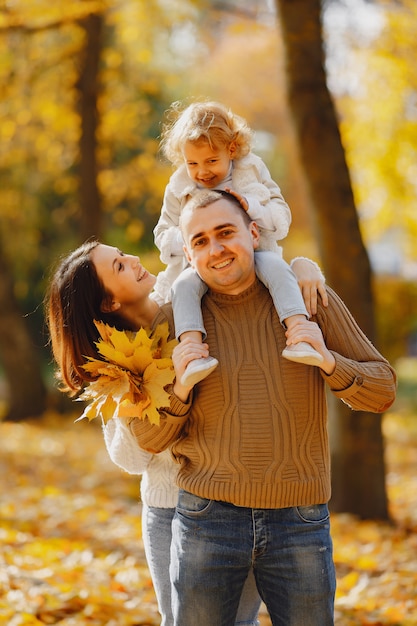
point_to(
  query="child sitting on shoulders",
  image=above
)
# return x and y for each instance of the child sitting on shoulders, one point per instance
(211, 148)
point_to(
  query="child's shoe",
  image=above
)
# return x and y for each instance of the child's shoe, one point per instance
(302, 352)
(198, 370)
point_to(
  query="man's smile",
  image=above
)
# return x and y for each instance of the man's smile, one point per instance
(225, 263)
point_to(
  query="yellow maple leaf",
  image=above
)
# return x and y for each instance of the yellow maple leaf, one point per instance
(161, 343)
(130, 381)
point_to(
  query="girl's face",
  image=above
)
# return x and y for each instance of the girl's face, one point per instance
(207, 166)
(122, 275)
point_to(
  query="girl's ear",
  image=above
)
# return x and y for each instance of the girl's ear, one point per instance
(109, 306)
(232, 149)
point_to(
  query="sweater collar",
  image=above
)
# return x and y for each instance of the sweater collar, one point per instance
(248, 294)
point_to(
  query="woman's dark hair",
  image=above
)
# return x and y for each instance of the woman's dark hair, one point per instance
(73, 302)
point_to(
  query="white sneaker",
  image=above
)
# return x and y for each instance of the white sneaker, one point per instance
(198, 370)
(302, 352)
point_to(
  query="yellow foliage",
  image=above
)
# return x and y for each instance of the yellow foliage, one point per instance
(379, 130)
(70, 548)
(130, 381)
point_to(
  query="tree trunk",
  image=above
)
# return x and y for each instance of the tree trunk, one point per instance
(27, 394)
(88, 87)
(358, 473)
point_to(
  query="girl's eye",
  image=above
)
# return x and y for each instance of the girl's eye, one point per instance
(121, 267)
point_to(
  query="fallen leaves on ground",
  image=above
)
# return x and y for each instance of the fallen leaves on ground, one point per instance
(70, 535)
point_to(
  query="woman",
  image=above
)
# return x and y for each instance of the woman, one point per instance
(99, 282)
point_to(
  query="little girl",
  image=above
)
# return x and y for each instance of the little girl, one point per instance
(211, 148)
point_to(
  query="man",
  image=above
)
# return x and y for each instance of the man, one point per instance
(251, 439)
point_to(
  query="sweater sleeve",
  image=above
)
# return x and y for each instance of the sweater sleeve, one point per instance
(123, 448)
(156, 438)
(362, 378)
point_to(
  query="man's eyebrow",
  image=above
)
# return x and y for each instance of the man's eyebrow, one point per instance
(217, 228)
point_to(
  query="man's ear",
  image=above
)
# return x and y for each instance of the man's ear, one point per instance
(109, 306)
(254, 230)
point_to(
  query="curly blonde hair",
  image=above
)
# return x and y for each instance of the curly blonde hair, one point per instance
(203, 121)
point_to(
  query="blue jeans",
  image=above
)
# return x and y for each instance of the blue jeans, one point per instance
(214, 545)
(156, 535)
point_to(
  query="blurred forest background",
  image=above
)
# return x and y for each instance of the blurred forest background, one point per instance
(330, 89)
(331, 92)
(84, 87)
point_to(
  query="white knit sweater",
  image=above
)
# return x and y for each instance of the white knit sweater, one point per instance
(159, 471)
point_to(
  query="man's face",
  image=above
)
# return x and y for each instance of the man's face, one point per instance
(220, 245)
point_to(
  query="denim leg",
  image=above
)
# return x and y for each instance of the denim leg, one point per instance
(156, 535)
(281, 282)
(210, 560)
(212, 550)
(186, 294)
(250, 602)
(294, 565)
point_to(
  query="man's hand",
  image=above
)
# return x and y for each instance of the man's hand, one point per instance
(184, 352)
(311, 333)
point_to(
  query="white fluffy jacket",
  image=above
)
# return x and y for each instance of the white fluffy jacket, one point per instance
(251, 178)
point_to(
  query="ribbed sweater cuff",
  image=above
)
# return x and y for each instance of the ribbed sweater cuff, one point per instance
(343, 376)
(367, 390)
(177, 407)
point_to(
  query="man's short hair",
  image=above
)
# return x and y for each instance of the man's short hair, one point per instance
(206, 197)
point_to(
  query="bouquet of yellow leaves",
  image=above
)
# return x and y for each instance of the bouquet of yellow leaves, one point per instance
(130, 381)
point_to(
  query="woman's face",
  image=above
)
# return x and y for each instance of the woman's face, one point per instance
(122, 275)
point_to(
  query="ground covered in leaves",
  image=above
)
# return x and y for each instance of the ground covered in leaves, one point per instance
(70, 534)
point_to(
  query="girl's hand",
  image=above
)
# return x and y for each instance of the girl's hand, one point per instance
(311, 282)
(242, 200)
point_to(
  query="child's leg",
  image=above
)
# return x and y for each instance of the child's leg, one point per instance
(282, 284)
(186, 293)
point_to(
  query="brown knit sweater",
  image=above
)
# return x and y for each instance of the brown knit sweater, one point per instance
(255, 433)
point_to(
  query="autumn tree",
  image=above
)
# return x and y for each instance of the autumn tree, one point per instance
(83, 90)
(20, 357)
(88, 90)
(357, 443)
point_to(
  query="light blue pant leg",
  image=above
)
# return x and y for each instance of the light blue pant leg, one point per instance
(281, 282)
(156, 535)
(186, 294)
(215, 543)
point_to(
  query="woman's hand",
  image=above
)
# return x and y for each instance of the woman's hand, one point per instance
(184, 352)
(311, 282)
